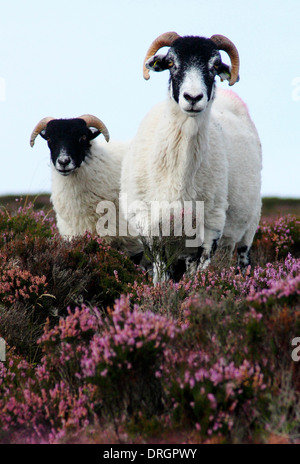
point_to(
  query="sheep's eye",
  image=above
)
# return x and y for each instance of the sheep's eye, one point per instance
(82, 138)
(217, 64)
(48, 140)
(170, 63)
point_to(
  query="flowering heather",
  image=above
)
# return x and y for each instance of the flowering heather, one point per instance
(173, 297)
(36, 410)
(227, 282)
(287, 290)
(25, 221)
(87, 356)
(96, 353)
(207, 393)
(279, 236)
(17, 284)
(129, 335)
(120, 353)
(111, 363)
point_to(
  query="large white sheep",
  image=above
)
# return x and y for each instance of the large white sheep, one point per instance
(198, 145)
(85, 177)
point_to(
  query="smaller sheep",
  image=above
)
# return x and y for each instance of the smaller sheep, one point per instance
(84, 173)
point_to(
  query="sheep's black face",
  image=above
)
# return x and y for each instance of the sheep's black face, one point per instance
(69, 143)
(193, 73)
(193, 63)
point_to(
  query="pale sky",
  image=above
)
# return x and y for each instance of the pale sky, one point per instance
(66, 58)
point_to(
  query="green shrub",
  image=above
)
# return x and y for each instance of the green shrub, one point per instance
(25, 221)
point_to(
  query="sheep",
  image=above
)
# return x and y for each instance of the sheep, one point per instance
(84, 173)
(198, 145)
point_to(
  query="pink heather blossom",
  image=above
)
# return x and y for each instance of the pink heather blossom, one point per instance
(212, 400)
(17, 284)
(88, 348)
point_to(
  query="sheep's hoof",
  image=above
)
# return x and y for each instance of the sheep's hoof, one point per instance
(204, 263)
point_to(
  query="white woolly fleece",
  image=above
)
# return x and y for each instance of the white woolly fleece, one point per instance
(214, 157)
(75, 197)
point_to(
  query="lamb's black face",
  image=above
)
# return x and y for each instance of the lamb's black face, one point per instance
(69, 143)
(193, 63)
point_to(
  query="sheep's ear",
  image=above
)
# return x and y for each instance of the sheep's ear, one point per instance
(224, 72)
(158, 63)
(93, 133)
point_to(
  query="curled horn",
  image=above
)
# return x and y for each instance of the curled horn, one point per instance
(93, 121)
(164, 40)
(38, 129)
(227, 46)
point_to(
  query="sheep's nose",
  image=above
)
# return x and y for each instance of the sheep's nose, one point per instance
(64, 161)
(193, 99)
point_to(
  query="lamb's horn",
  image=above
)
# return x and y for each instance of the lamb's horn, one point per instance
(93, 121)
(38, 129)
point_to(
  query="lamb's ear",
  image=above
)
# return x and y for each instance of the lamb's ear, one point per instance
(158, 63)
(224, 72)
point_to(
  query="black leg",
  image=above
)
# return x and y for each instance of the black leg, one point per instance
(244, 259)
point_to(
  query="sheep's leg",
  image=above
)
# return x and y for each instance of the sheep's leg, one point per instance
(208, 249)
(158, 256)
(160, 273)
(244, 245)
(243, 258)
